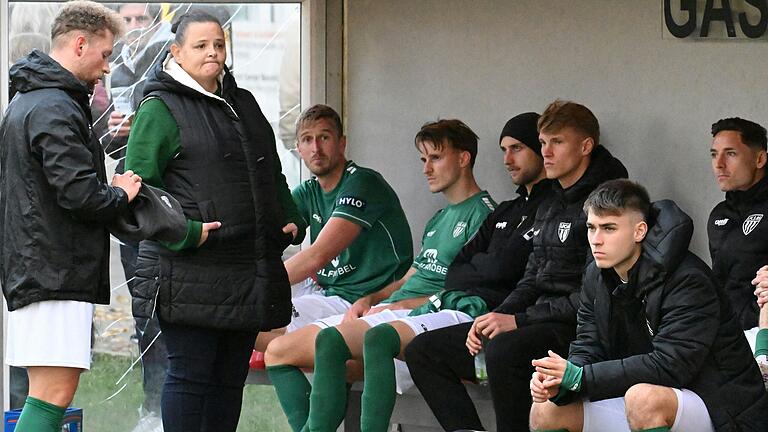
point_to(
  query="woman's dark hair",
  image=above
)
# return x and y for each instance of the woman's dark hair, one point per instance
(179, 27)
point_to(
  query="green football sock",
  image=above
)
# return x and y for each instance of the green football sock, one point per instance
(656, 429)
(328, 400)
(761, 343)
(381, 345)
(292, 390)
(39, 416)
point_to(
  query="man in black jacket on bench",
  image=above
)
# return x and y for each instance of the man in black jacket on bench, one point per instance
(540, 311)
(658, 346)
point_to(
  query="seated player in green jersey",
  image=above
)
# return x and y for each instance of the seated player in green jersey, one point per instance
(448, 149)
(360, 239)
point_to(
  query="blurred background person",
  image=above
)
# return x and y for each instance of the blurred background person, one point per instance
(146, 39)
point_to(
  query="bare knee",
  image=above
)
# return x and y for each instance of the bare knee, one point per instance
(650, 406)
(263, 339)
(278, 351)
(543, 416)
(547, 415)
(55, 385)
(296, 349)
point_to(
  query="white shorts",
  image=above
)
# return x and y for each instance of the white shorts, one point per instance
(307, 286)
(436, 320)
(610, 415)
(309, 308)
(419, 324)
(382, 317)
(50, 333)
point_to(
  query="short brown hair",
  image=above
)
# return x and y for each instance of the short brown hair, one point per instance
(562, 114)
(87, 16)
(614, 197)
(319, 112)
(453, 131)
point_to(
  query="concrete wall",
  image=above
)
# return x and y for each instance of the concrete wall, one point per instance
(411, 61)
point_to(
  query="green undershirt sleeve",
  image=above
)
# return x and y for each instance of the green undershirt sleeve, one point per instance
(155, 140)
(761, 343)
(285, 199)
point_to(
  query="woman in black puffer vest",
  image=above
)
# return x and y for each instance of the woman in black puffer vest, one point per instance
(205, 141)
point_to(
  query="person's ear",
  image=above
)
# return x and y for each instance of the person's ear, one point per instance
(761, 159)
(641, 230)
(587, 145)
(464, 158)
(80, 42)
(175, 50)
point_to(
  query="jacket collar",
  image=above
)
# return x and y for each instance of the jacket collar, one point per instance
(169, 76)
(175, 71)
(745, 199)
(602, 166)
(543, 187)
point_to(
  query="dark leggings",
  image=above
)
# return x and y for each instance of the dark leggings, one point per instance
(203, 390)
(439, 361)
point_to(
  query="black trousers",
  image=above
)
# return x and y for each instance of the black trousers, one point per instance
(438, 361)
(203, 390)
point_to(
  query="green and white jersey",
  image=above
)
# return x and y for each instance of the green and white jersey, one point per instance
(444, 236)
(383, 251)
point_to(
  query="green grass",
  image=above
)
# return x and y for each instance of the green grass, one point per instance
(261, 410)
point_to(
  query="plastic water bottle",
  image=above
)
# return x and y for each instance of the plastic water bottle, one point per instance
(480, 371)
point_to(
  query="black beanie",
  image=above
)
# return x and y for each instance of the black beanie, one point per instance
(523, 128)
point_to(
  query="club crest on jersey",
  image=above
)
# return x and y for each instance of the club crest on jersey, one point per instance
(751, 223)
(459, 228)
(563, 230)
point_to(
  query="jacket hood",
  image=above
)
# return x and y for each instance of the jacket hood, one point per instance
(602, 167)
(169, 76)
(666, 244)
(39, 71)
